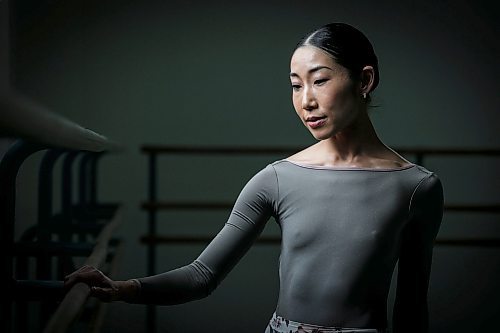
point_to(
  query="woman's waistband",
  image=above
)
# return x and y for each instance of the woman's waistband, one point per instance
(282, 325)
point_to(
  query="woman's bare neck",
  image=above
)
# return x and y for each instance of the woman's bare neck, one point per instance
(357, 146)
(343, 151)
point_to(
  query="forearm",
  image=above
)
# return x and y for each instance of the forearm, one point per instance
(251, 211)
(181, 285)
(410, 314)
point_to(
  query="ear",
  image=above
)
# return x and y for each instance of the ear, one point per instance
(367, 79)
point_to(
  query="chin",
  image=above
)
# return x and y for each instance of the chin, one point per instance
(321, 134)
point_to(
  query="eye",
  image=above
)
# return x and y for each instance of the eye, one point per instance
(296, 87)
(320, 82)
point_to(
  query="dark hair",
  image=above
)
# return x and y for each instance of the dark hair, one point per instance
(348, 46)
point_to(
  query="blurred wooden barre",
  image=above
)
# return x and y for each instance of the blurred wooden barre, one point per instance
(73, 302)
(38, 129)
(21, 117)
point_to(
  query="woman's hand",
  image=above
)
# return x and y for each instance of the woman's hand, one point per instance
(101, 286)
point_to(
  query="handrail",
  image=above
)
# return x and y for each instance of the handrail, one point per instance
(74, 300)
(220, 205)
(197, 149)
(482, 242)
(98, 320)
(37, 129)
(163, 149)
(9, 169)
(154, 149)
(21, 117)
(449, 151)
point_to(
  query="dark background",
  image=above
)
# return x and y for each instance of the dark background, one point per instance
(216, 73)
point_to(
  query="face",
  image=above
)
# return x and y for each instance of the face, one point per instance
(324, 96)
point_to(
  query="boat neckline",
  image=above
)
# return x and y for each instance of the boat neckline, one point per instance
(322, 167)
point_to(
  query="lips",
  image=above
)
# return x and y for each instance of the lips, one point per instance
(315, 122)
(308, 119)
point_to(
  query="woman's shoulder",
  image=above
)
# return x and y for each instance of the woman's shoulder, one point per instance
(305, 156)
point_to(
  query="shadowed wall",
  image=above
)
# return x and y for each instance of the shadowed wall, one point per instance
(193, 72)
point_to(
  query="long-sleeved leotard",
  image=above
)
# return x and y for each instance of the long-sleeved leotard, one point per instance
(342, 231)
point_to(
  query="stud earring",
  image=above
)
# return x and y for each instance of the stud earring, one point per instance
(364, 95)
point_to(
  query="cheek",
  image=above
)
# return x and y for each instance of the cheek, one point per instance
(296, 102)
(338, 98)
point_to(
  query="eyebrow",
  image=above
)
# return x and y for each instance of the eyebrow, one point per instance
(312, 70)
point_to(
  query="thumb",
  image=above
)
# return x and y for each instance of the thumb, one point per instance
(106, 294)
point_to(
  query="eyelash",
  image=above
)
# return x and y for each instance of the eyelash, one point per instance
(319, 82)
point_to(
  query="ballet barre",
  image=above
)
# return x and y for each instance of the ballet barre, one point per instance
(82, 228)
(73, 302)
(152, 206)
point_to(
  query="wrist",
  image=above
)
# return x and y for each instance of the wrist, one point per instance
(129, 290)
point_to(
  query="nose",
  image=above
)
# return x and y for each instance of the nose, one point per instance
(308, 100)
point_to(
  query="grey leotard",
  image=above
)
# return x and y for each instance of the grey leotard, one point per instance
(342, 231)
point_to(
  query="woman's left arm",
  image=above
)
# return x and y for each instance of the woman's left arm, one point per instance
(410, 313)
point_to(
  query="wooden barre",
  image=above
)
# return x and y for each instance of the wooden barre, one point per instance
(74, 300)
(23, 118)
(198, 239)
(160, 149)
(98, 320)
(178, 149)
(165, 205)
(181, 205)
(493, 208)
(482, 242)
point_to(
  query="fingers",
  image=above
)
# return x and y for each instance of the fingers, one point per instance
(105, 294)
(89, 275)
(83, 269)
(101, 286)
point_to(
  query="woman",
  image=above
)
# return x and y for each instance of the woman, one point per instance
(348, 207)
